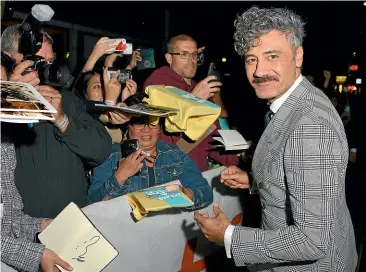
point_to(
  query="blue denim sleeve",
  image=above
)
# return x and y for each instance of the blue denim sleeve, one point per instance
(192, 178)
(101, 174)
(103, 182)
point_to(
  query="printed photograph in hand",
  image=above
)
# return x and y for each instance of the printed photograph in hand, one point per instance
(18, 97)
(25, 115)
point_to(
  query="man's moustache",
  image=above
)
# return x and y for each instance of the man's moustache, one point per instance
(264, 79)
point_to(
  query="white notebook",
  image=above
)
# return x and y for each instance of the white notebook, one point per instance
(232, 140)
(74, 238)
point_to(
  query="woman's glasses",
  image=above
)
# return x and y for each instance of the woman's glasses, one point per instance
(142, 126)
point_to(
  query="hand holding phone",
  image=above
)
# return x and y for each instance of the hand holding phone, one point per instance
(207, 87)
(213, 71)
(123, 76)
(147, 59)
(129, 166)
(121, 46)
(130, 146)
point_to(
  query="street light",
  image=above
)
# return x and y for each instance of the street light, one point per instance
(364, 4)
(223, 59)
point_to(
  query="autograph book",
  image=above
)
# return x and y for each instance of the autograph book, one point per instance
(74, 238)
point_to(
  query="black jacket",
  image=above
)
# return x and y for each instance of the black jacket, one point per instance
(50, 165)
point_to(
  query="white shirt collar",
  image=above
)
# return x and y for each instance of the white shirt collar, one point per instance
(279, 101)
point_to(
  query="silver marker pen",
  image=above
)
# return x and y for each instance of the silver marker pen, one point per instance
(148, 154)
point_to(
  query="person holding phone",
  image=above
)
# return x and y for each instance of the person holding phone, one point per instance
(182, 57)
(94, 86)
(139, 170)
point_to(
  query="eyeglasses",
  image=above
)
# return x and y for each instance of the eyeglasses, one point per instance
(186, 55)
(142, 126)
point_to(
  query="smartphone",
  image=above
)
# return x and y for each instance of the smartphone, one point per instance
(213, 71)
(130, 146)
(123, 76)
(148, 59)
(122, 47)
(201, 59)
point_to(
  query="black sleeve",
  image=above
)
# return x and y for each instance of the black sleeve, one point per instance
(84, 135)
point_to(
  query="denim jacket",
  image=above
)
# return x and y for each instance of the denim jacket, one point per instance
(171, 164)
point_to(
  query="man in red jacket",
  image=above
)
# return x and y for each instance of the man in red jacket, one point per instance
(182, 55)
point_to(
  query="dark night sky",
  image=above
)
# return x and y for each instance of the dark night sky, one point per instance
(333, 28)
(333, 34)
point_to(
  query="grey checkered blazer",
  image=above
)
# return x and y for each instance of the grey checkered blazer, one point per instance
(17, 229)
(304, 141)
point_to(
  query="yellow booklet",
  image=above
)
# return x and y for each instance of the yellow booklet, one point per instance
(157, 199)
(74, 238)
(195, 115)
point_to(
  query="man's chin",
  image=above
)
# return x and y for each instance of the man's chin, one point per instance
(190, 74)
(265, 94)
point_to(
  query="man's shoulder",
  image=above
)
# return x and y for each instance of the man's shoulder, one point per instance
(164, 70)
(316, 110)
(319, 108)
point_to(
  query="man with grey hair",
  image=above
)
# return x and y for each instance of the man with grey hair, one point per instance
(299, 165)
(10, 46)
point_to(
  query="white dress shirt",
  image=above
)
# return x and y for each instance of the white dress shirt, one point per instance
(274, 108)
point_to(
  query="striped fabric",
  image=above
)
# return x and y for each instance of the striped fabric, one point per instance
(18, 230)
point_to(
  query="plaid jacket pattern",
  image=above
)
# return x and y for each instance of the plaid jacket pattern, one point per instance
(304, 141)
(18, 230)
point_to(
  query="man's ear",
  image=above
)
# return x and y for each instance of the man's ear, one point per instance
(7, 53)
(299, 56)
(168, 58)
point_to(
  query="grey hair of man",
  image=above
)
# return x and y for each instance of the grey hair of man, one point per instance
(256, 22)
(11, 35)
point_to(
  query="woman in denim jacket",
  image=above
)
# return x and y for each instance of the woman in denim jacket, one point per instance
(117, 176)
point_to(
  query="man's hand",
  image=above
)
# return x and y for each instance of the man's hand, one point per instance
(213, 227)
(235, 178)
(31, 78)
(112, 86)
(206, 90)
(327, 74)
(45, 223)
(49, 261)
(55, 99)
(353, 156)
(200, 50)
(135, 58)
(129, 166)
(129, 90)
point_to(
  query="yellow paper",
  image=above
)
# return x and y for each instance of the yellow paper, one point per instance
(73, 237)
(195, 115)
(156, 199)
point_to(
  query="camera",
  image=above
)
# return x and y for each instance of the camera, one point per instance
(122, 77)
(31, 39)
(50, 74)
